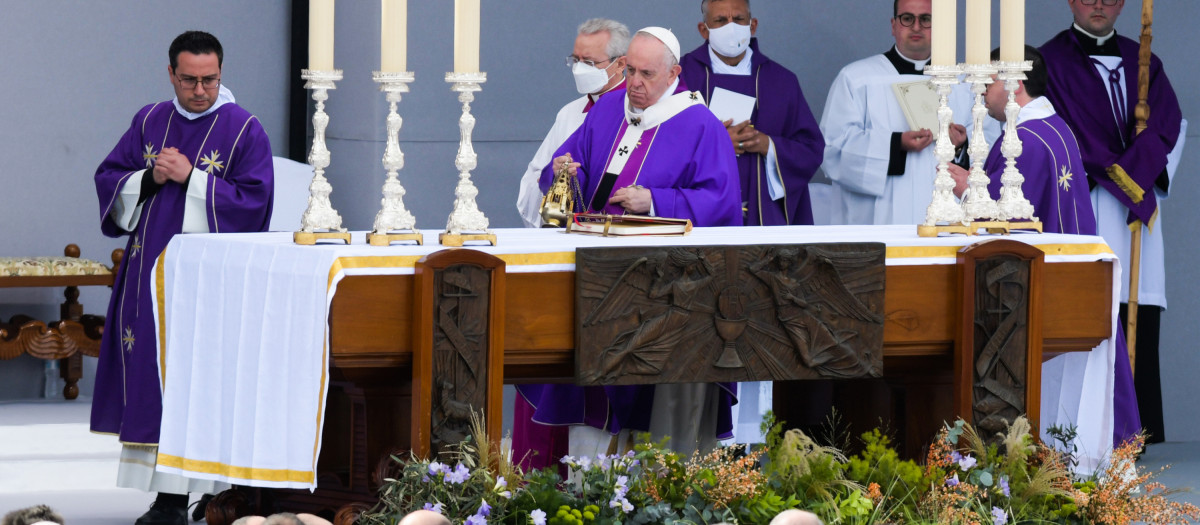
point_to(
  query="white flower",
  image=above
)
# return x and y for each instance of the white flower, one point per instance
(538, 516)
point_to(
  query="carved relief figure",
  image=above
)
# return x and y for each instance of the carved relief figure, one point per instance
(459, 354)
(729, 313)
(808, 296)
(678, 284)
(1001, 326)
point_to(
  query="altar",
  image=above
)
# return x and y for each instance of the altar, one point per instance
(254, 330)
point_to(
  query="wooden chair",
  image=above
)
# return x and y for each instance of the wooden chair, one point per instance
(74, 334)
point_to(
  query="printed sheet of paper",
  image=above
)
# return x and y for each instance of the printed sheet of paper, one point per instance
(920, 104)
(726, 104)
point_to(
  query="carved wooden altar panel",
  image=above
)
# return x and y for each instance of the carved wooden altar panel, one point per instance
(998, 373)
(458, 357)
(729, 313)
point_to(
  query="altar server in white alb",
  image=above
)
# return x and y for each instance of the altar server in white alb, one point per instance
(598, 65)
(882, 170)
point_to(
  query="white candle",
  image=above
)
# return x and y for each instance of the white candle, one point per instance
(979, 31)
(945, 33)
(320, 35)
(393, 36)
(1012, 30)
(466, 36)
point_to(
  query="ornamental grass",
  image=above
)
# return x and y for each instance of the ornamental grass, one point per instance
(965, 478)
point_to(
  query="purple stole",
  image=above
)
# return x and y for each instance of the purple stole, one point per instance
(629, 173)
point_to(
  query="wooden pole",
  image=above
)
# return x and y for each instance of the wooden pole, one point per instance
(1142, 113)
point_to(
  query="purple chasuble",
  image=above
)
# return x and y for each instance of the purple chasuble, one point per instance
(1055, 181)
(1076, 88)
(781, 113)
(689, 167)
(232, 150)
(690, 170)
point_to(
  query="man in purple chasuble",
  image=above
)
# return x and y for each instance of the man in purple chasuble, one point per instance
(1093, 85)
(780, 147)
(652, 149)
(1049, 160)
(598, 65)
(196, 164)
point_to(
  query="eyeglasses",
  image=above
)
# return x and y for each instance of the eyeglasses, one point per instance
(571, 61)
(1093, 2)
(908, 19)
(190, 82)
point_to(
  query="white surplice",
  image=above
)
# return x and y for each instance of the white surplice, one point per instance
(860, 116)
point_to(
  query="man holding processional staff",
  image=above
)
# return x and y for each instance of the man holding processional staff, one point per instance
(1093, 84)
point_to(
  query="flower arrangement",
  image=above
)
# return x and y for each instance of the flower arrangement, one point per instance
(966, 478)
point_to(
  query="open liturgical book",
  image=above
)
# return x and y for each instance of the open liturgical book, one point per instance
(621, 225)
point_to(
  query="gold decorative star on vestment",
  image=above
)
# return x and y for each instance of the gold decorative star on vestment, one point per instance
(128, 340)
(211, 163)
(1064, 180)
(149, 155)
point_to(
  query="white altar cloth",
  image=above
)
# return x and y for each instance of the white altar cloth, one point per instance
(243, 340)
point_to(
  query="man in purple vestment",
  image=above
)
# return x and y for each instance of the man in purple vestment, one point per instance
(1049, 160)
(1093, 84)
(780, 147)
(598, 65)
(196, 164)
(652, 149)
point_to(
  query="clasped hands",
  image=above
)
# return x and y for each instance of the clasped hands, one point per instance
(634, 199)
(746, 138)
(171, 165)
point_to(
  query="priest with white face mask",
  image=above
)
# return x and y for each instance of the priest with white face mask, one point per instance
(598, 65)
(777, 139)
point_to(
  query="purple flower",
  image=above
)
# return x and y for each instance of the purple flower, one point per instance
(501, 484)
(966, 462)
(433, 507)
(459, 475)
(952, 482)
(1004, 487)
(999, 517)
(476, 520)
(484, 509)
(435, 468)
(538, 516)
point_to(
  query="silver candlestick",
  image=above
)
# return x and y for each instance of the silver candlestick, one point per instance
(393, 222)
(977, 202)
(944, 208)
(320, 220)
(466, 222)
(1012, 204)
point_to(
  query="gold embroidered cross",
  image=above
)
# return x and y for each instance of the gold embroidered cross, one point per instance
(128, 340)
(1064, 180)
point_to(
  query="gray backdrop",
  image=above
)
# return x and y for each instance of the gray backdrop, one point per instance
(78, 70)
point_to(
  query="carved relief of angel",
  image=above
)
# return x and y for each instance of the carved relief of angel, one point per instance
(808, 296)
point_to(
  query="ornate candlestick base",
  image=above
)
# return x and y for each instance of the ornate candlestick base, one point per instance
(1013, 206)
(977, 202)
(944, 213)
(320, 220)
(466, 223)
(393, 223)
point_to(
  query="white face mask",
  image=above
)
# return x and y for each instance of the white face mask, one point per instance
(589, 79)
(729, 40)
